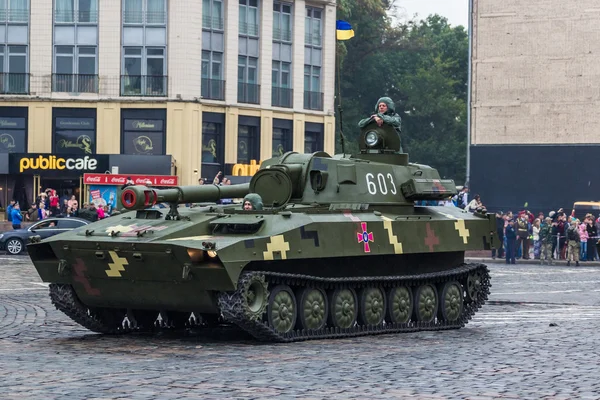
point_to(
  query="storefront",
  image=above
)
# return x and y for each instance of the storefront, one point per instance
(65, 172)
(143, 132)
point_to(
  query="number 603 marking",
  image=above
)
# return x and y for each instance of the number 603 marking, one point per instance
(380, 184)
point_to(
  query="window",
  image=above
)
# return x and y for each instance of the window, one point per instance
(282, 22)
(281, 84)
(213, 86)
(313, 98)
(150, 12)
(213, 134)
(248, 88)
(13, 129)
(282, 137)
(313, 137)
(249, 17)
(143, 132)
(313, 26)
(248, 140)
(75, 69)
(76, 11)
(14, 11)
(74, 131)
(144, 68)
(144, 71)
(14, 40)
(212, 14)
(13, 70)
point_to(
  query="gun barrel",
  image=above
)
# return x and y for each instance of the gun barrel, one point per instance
(140, 197)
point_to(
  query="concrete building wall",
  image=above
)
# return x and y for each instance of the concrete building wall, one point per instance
(536, 72)
(535, 108)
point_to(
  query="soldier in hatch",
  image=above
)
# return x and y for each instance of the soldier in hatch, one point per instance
(384, 114)
(252, 202)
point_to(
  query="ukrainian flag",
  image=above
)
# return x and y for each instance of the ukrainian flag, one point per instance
(343, 30)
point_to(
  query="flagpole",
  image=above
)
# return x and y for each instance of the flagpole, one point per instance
(340, 111)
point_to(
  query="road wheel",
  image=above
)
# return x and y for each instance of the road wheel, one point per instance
(426, 303)
(343, 309)
(372, 306)
(312, 309)
(14, 246)
(451, 301)
(282, 309)
(473, 285)
(400, 305)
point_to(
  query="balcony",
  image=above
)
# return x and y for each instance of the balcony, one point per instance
(282, 97)
(213, 23)
(148, 17)
(312, 39)
(313, 101)
(248, 93)
(144, 85)
(285, 35)
(72, 17)
(14, 83)
(14, 15)
(248, 29)
(213, 89)
(75, 83)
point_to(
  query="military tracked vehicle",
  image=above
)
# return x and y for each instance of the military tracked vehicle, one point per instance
(338, 249)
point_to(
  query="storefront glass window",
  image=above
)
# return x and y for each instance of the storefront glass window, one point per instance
(143, 132)
(248, 144)
(282, 141)
(74, 131)
(13, 135)
(210, 142)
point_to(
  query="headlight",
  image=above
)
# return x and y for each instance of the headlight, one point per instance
(371, 139)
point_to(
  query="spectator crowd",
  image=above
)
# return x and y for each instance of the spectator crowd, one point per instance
(48, 204)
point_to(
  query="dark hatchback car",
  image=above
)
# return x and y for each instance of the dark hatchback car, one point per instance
(14, 241)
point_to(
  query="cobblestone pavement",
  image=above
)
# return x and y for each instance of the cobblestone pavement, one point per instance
(509, 350)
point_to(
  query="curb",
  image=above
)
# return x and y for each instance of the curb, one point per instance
(530, 262)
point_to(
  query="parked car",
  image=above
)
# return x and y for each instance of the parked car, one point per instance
(14, 242)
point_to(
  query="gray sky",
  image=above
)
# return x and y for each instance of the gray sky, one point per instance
(457, 11)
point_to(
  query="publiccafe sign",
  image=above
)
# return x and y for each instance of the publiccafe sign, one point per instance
(50, 164)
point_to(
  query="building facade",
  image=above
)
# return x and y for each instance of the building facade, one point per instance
(535, 103)
(201, 85)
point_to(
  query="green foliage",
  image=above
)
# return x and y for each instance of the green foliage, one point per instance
(422, 66)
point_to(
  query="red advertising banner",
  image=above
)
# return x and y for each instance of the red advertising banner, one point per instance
(112, 179)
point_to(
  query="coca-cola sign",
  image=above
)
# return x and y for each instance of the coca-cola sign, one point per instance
(113, 179)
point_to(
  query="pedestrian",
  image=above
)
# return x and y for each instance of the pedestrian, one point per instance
(9, 210)
(573, 243)
(511, 239)
(546, 240)
(583, 238)
(500, 220)
(535, 228)
(17, 217)
(523, 235)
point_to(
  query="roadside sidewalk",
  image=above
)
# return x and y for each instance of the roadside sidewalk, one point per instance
(489, 260)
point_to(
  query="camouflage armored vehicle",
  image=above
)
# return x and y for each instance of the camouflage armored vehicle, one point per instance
(337, 249)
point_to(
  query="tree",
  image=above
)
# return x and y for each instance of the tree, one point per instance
(423, 67)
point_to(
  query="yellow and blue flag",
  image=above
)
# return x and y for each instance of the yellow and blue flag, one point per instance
(344, 30)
